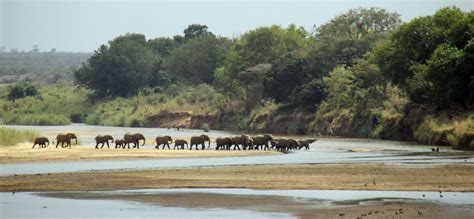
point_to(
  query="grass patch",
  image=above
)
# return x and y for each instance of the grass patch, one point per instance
(11, 137)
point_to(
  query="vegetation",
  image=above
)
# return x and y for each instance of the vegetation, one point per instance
(44, 67)
(10, 137)
(362, 74)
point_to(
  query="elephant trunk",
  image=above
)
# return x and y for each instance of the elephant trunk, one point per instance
(76, 140)
(143, 141)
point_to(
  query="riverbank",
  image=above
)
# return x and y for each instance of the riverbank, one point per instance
(300, 208)
(396, 177)
(23, 153)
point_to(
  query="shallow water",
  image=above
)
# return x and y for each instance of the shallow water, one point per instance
(30, 205)
(40, 206)
(325, 150)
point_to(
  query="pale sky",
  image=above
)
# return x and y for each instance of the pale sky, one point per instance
(83, 25)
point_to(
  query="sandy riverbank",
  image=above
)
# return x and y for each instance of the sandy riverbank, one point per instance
(278, 204)
(453, 177)
(22, 153)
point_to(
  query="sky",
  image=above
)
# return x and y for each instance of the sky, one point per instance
(84, 25)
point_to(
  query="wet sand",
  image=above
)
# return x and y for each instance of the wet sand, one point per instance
(23, 153)
(299, 208)
(394, 177)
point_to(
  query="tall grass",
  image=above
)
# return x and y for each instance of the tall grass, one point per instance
(11, 137)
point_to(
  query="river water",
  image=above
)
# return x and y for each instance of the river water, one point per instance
(325, 150)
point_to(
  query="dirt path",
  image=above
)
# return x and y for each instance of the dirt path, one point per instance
(453, 177)
(23, 153)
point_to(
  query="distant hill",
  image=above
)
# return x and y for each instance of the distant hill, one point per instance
(47, 67)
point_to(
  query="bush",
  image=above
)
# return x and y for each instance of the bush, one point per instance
(22, 90)
(11, 137)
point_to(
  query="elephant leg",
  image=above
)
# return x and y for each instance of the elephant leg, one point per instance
(203, 146)
(190, 147)
(168, 146)
(57, 144)
(108, 144)
(33, 145)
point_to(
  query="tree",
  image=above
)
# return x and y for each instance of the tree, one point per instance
(290, 82)
(22, 90)
(195, 31)
(427, 57)
(264, 45)
(162, 46)
(358, 23)
(121, 68)
(196, 60)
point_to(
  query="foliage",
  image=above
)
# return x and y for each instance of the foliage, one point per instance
(57, 105)
(11, 137)
(121, 68)
(22, 90)
(196, 60)
(425, 53)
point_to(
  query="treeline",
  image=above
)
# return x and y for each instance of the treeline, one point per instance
(362, 74)
(44, 67)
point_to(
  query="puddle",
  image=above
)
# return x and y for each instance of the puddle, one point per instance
(14, 205)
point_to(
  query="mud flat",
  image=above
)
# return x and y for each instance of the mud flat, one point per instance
(285, 204)
(398, 177)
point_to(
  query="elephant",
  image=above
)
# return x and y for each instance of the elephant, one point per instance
(180, 143)
(65, 138)
(286, 144)
(41, 142)
(199, 140)
(119, 143)
(163, 140)
(135, 139)
(262, 141)
(243, 140)
(305, 143)
(103, 139)
(223, 143)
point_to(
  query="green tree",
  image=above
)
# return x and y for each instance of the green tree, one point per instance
(162, 46)
(22, 90)
(264, 45)
(121, 68)
(195, 31)
(196, 60)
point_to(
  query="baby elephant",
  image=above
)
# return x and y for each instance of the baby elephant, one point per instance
(180, 143)
(119, 143)
(41, 142)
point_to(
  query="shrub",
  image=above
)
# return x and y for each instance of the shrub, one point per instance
(22, 90)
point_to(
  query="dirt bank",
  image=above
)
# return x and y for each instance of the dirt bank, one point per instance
(453, 177)
(23, 153)
(299, 208)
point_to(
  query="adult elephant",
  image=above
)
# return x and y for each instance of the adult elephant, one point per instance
(199, 140)
(243, 140)
(65, 138)
(305, 143)
(262, 141)
(41, 142)
(103, 139)
(180, 143)
(223, 143)
(135, 139)
(286, 144)
(163, 140)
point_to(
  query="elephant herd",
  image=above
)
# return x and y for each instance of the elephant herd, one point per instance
(245, 142)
